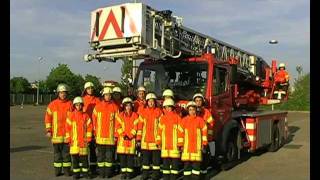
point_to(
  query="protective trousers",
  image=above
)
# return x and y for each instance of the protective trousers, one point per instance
(205, 163)
(170, 168)
(191, 170)
(105, 159)
(79, 164)
(127, 163)
(92, 156)
(151, 157)
(62, 157)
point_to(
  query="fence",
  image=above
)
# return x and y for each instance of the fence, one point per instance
(20, 99)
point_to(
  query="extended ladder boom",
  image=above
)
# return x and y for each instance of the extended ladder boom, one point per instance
(136, 31)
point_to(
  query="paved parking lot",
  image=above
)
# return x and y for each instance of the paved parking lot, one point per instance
(31, 152)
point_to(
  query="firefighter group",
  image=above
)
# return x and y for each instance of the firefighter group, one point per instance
(91, 135)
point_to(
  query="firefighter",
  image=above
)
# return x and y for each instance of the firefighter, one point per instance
(126, 130)
(170, 139)
(90, 101)
(195, 142)
(282, 77)
(140, 102)
(168, 94)
(208, 119)
(117, 96)
(55, 120)
(103, 127)
(79, 134)
(149, 120)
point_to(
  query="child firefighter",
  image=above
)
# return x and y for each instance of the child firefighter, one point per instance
(78, 134)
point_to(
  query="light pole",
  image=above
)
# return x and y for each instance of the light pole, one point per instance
(273, 41)
(38, 86)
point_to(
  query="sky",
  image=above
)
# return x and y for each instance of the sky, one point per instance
(58, 31)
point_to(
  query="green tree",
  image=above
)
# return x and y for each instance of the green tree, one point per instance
(63, 74)
(19, 85)
(126, 77)
(96, 81)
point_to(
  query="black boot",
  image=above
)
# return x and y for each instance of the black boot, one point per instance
(58, 171)
(130, 175)
(145, 174)
(66, 171)
(173, 176)
(76, 175)
(195, 177)
(166, 176)
(109, 172)
(123, 175)
(155, 175)
(86, 175)
(102, 172)
(93, 169)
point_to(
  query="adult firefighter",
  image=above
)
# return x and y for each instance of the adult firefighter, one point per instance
(79, 134)
(140, 101)
(168, 94)
(55, 120)
(103, 127)
(281, 78)
(169, 139)
(195, 142)
(117, 96)
(208, 119)
(126, 130)
(89, 102)
(148, 125)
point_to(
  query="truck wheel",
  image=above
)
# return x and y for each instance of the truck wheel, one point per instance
(275, 139)
(232, 148)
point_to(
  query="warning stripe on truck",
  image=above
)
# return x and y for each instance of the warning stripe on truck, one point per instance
(252, 132)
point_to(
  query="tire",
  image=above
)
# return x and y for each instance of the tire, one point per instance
(232, 152)
(275, 139)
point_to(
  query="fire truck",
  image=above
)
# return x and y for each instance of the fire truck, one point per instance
(234, 82)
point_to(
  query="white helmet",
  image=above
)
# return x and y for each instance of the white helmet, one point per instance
(282, 65)
(168, 102)
(78, 99)
(88, 84)
(62, 87)
(127, 100)
(106, 90)
(167, 92)
(141, 88)
(151, 96)
(117, 89)
(191, 103)
(198, 95)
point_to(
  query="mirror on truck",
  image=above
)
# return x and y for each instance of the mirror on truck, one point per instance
(233, 74)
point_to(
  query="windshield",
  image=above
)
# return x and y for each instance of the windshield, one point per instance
(184, 78)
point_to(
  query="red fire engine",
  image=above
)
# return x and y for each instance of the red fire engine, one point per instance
(235, 82)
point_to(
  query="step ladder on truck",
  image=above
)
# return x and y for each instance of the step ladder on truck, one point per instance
(234, 82)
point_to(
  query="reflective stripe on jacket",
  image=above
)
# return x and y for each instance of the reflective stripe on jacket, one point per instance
(78, 132)
(137, 104)
(207, 117)
(89, 103)
(195, 136)
(281, 76)
(126, 127)
(103, 122)
(170, 135)
(55, 119)
(148, 127)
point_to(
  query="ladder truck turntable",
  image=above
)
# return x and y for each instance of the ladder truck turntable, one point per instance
(233, 81)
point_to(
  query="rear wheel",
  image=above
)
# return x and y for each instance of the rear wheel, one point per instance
(232, 153)
(275, 139)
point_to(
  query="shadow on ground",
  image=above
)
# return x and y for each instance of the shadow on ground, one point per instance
(25, 148)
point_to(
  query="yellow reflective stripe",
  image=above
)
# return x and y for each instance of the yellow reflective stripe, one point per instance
(136, 121)
(198, 139)
(80, 164)
(67, 135)
(139, 132)
(195, 172)
(100, 164)
(180, 128)
(99, 124)
(107, 164)
(55, 124)
(180, 140)
(48, 125)
(123, 169)
(133, 131)
(89, 134)
(68, 121)
(95, 112)
(204, 128)
(129, 170)
(68, 164)
(88, 121)
(175, 137)
(49, 111)
(174, 172)
(156, 167)
(76, 170)
(84, 169)
(204, 138)
(57, 164)
(187, 173)
(210, 119)
(120, 131)
(74, 134)
(166, 171)
(145, 167)
(203, 171)
(158, 138)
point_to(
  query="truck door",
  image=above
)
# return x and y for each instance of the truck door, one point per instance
(222, 102)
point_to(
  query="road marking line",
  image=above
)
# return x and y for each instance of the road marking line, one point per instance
(43, 151)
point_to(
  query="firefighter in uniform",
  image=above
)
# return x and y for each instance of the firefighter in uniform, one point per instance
(194, 142)
(149, 120)
(170, 139)
(140, 101)
(103, 127)
(208, 119)
(55, 120)
(126, 130)
(90, 101)
(281, 79)
(117, 96)
(168, 94)
(79, 134)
